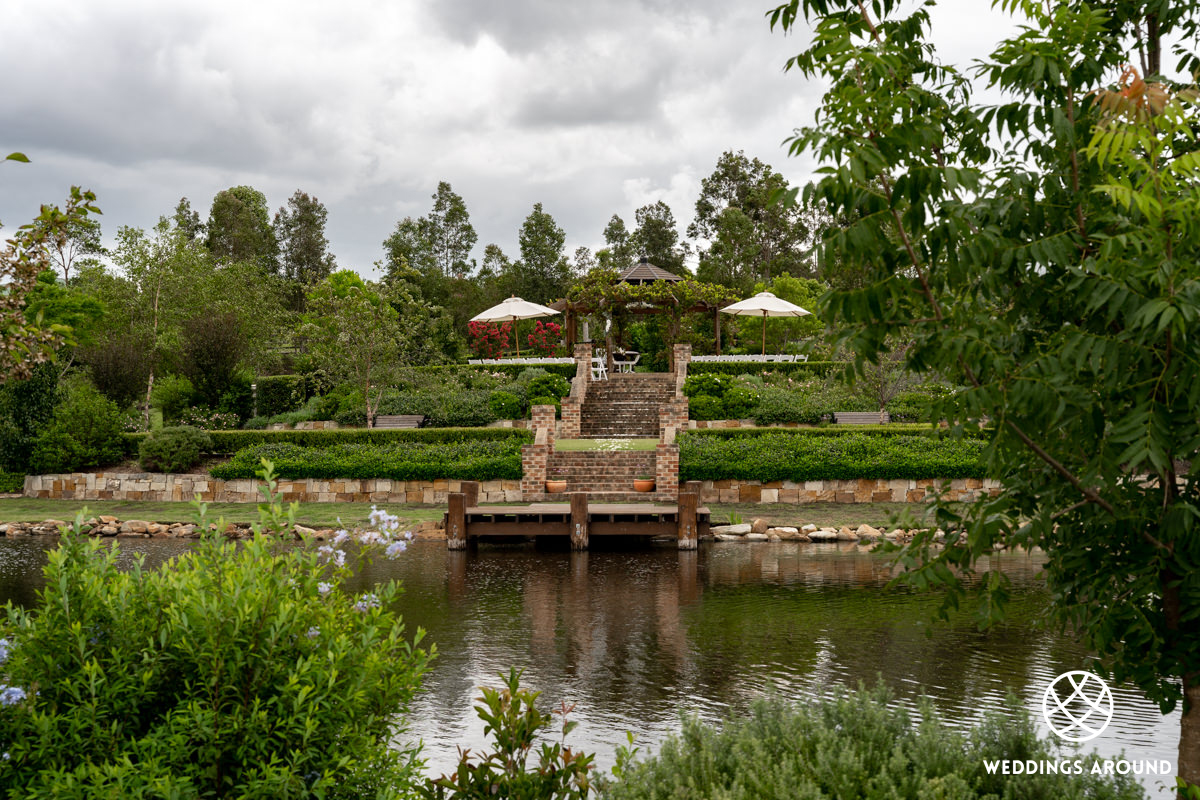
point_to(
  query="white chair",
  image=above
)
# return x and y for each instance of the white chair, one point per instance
(599, 369)
(626, 364)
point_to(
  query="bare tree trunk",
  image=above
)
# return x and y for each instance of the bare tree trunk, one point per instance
(149, 389)
(1189, 732)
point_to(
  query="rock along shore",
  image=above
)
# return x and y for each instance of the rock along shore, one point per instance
(111, 527)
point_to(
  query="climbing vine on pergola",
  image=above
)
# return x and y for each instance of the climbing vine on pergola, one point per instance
(602, 291)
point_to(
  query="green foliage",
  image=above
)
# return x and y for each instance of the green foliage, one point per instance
(239, 228)
(173, 449)
(12, 482)
(856, 745)
(450, 409)
(891, 429)
(213, 345)
(278, 394)
(706, 407)
(470, 459)
(26, 407)
(739, 401)
(777, 406)
(710, 384)
(172, 395)
(799, 369)
(229, 673)
(226, 442)
(549, 386)
(788, 457)
(86, 431)
(513, 720)
(506, 405)
(1041, 253)
(24, 340)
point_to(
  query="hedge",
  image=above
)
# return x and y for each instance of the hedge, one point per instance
(892, 429)
(278, 394)
(850, 456)
(477, 459)
(12, 481)
(814, 369)
(225, 442)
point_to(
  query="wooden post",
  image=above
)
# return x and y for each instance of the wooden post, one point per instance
(717, 325)
(693, 487)
(688, 533)
(471, 490)
(579, 521)
(456, 522)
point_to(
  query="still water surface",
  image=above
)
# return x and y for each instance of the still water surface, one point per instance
(634, 638)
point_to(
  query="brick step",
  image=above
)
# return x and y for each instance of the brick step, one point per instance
(618, 496)
(623, 432)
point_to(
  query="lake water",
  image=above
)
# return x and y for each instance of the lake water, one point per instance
(634, 638)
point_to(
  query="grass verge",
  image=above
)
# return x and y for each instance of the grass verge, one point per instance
(577, 445)
(316, 515)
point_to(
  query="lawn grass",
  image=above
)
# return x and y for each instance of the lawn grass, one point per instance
(315, 515)
(576, 445)
(823, 515)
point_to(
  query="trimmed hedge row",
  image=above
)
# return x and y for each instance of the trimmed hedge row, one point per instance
(477, 459)
(788, 457)
(12, 481)
(892, 429)
(225, 442)
(815, 369)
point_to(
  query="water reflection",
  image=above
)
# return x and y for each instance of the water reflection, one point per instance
(636, 637)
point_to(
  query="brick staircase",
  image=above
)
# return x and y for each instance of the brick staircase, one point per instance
(625, 406)
(607, 476)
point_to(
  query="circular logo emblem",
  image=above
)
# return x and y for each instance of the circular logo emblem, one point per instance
(1077, 706)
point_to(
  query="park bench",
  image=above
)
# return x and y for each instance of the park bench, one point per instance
(861, 417)
(399, 421)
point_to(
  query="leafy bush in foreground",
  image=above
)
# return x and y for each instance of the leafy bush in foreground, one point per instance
(479, 460)
(849, 456)
(855, 745)
(240, 669)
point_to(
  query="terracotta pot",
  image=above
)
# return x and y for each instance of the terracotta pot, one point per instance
(643, 485)
(556, 486)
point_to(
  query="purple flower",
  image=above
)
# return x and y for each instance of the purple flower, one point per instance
(324, 588)
(313, 632)
(396, 548)
(5, 644)
(366, 603)
(340, 537)
(339, 558)
(11, 695)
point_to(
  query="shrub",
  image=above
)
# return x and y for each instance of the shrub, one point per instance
(12, 481)
(172, 395)
(278, 394)
(228, 442)
(238, 397)
(212, 348)
(488, 339)
(849, 456)
(26, 408)
(209, 420)
(856, 744)
(120, 367)
(242, 670)
(256, 423)
(776, 406)
(800, 369)
(477, 459)
(707, 384)
(351, 418)
(545, 339)
(705, 407)
(549, 386)
(506, 405)
(86, 431)
(739, 401)
(173, 449)
(514, 721)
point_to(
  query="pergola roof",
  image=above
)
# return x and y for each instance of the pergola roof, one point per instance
(645, 272)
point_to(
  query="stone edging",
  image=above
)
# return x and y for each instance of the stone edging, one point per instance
(170, 487)
(109, 526)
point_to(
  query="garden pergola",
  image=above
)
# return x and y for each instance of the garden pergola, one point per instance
(643, 289)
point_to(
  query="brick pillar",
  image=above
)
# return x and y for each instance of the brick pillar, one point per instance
(543, 419)
(682, 357)
(583, 361)
(672, 415)
(535, 457)
(572, 409)
(666, 468)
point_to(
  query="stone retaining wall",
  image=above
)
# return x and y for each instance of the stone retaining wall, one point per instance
(164, 487)
(854, 491)
(160, 487)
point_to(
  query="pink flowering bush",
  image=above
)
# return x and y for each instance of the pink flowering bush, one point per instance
(488, 339)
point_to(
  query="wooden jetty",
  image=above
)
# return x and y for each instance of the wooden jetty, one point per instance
(466, 519)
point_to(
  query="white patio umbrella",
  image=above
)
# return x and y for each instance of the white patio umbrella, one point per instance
(765, 304)
(511, 310)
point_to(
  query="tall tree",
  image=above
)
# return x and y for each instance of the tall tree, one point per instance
(543, 274)
(657, 238)
(621, 248)
(450, 234)
(187, 219)
(1043, 254)
(304, 257)
(355, 334)
(750, 237)
(24, 341)
(239, 228)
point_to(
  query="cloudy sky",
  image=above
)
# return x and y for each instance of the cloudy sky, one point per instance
(591, 108)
